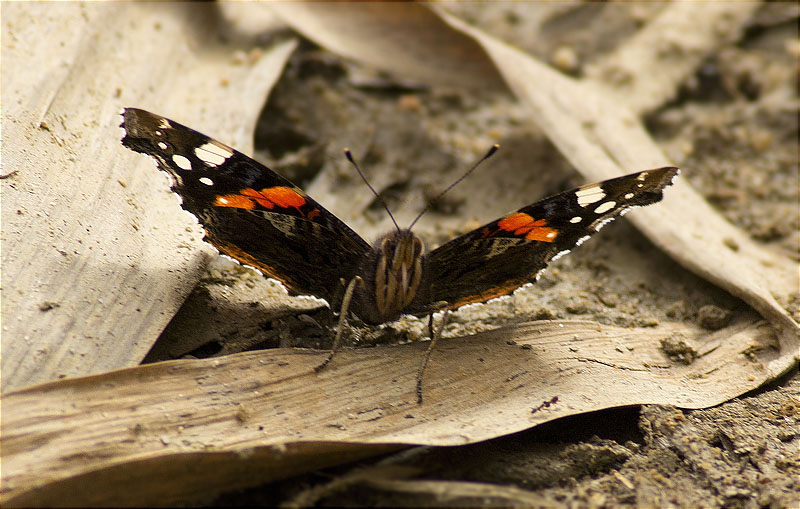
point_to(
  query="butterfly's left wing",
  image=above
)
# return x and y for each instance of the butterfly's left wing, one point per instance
(503, 255)
(248, 211)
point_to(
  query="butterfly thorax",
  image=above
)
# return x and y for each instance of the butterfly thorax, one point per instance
(391, 275)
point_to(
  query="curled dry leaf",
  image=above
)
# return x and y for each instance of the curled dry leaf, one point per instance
(647, 71)
(409, 40)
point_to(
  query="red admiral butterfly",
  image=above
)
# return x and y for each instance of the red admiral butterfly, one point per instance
(254, 215)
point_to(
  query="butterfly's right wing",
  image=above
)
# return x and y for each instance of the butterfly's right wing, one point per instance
(503, 255)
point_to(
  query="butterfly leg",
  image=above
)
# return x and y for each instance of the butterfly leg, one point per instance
(435, 335)
(348, 295)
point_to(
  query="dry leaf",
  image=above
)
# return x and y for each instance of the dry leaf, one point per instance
(92, 273)
(106, 439)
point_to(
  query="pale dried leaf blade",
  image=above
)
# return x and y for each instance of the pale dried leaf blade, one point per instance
(648, 69)
(97, 256)
(67, 435)
(407, 39)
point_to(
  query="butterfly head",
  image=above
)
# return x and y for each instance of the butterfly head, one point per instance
(398, 271)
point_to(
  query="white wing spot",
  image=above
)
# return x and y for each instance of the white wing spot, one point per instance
(222, 200)
(628, 196)
(582, 240)
(625, 211)
(587, 195)
(560, 254)
(576, 219)
(163, 123)
(641, 176)
(162, 145)
(182, 162)
(213, 154)
(605, 207)
(158, 133)
(551, 235)
(207, 181)
(603, 223)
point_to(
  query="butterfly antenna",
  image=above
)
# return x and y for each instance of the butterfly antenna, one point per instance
(349, 157)
(489, 154)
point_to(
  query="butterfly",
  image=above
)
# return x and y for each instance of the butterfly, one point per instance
(261, 219)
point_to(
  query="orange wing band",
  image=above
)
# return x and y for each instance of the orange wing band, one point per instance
(269, 198)
(523, 225)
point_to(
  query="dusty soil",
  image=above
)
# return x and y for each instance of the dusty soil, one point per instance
(733, 130)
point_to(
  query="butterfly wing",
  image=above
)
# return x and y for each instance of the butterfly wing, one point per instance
(248, 211)
(503, 255)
